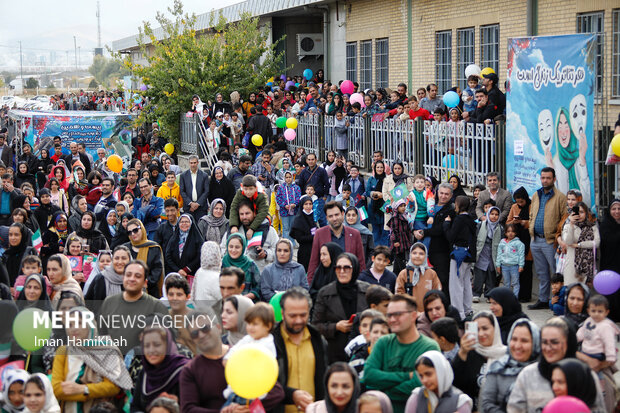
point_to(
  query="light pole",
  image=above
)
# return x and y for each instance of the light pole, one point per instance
(76, 63)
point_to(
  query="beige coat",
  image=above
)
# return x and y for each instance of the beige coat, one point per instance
(388, 185)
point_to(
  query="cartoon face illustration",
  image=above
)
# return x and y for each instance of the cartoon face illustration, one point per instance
(578, 115)
(545, 129)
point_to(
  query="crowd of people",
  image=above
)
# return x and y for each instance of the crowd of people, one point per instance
(113, 101)
(373, 278)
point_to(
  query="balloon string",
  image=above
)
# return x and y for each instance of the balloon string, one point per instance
(27, 361)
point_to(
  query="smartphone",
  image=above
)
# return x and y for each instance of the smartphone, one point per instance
(351, 318)
(471, 328)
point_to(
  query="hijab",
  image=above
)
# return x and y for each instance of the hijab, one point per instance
(511, 309)
(210, 256)
(579, 380)
(506, 365)
(125, 205)
(216, 225)
(363, 229)
(348, 292)
(497, 349)
(337, 368)
(62, 234)
(42, 303)
(384, 400)
(378, 203)
(13, 255)
(111, 228)
(113, 280)
(51, 404)
(567, 156)
(165, 376)
(184, 235)
(243, 305)
(91, 232)
(325, 275)
(492, 226)
(577, 318)
(521, 193)
(242, 262)
(444, 374)
(568, 328)
(143, 244)
(459, 189)
(9, 377)
(75, 209)
(398, 179)
(418, 270)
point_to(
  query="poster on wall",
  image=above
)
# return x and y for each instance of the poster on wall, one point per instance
(549, 112)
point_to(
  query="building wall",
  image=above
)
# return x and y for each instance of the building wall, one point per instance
(337, 42)
(291, 26)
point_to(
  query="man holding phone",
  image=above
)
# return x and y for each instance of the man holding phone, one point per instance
(8, 194)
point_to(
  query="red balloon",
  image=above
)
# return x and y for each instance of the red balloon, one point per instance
(308, 98)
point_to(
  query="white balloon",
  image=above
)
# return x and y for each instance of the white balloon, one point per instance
(472, 70)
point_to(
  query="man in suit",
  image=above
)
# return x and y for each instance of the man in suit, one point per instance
(6, 153)
(502, 198)
(76, 155)
(194, 189)
(348, 238)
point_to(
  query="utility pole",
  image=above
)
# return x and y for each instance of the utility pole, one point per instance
(21, 66)
(76, 64)
(80, 55)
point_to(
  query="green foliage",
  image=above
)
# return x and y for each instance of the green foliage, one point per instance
(107, 71)
(229, 57)
(93, 84)
(8, 76)
(32, 83)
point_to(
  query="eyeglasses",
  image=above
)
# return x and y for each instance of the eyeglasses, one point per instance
(195, 333)
(397, 314)
(133, 231)
(346, 268)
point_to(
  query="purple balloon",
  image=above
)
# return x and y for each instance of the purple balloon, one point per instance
(143, 88)
(566, 404)
(607, 282)
(283, 77)
(289, 85)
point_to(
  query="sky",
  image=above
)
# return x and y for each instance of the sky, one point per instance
(46, 28)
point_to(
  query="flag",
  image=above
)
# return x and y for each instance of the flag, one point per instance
(256, 239)
(363, 213)
(399, 192)
(37, 242)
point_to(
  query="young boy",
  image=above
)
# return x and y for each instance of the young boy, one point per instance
(469, 103)
(378, 298)
(445, 331)
(170, 189)
(558, 293)
(317, 211)
(510, 258)
(31, 264)
(401, 238)
(421, 207)
(345, 196)
(365, 319)
(377, 329)
(598, 333)
(438, 114)
(176, 292)
(378, 273)
(260, 204)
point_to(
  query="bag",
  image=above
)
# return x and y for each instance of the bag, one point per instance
(245, 142)
(459, 254)
(560, 263)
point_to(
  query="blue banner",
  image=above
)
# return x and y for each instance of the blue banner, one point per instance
(549, 112)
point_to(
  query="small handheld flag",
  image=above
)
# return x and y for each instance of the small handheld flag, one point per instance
(363, 214)
(256, 239)
(37, 242)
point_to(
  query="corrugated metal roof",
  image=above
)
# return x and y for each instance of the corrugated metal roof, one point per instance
(231, 13)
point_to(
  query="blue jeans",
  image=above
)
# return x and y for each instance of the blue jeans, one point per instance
(422, 225)
(321, 214)
(544, 261)
(511, 277)
(286, 227)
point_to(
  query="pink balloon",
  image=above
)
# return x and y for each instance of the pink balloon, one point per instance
(289, 134)
(347, 87)
(566, 404)
(357, 97)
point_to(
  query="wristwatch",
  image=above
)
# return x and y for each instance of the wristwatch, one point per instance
(86, 391)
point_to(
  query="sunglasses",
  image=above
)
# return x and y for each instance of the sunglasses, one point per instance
(346, 268)
(134, 231)
(195, 333)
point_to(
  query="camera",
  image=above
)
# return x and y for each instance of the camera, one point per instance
(409, 288)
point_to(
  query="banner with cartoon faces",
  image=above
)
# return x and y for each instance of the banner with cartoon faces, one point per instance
(549, 112)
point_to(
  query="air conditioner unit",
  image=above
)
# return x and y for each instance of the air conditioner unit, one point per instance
(310, 44)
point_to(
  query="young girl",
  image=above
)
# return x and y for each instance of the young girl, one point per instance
(511, 258)
(437, 391)
(417, 279)
(287, 197)
(421, 206)
(94, 189)
(58, 196)
(39, 395)
(489, 236)
(13, 390)
(401, 238)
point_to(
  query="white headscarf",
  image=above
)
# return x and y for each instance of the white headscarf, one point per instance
(497, 349)
(444, 374)
(51, 404)
(10, 376)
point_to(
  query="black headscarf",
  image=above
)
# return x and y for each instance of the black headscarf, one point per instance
(398, 179)
(450, 311)
(459, 189)
(568, 327)
(521, 193)
(376, 204)
(13, 255)
(579, 380)
(578, 318)
(222, 189)
(325, 275)
(42, 303)
(304, 222)
(511, 309)
(337, 367)
(348, 292)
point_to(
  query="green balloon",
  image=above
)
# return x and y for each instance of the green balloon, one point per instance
(31, 336)
(281, 122)
(275, 303)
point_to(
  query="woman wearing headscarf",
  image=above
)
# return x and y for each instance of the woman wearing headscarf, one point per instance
(457, 187)
(417, 278)
(183, 249)
(78, 207)
(161, 368)
(149, 252)
(95, 240)
(235, 256)
(110, 281)
(283, 273)
(61, 277)
(338, 375)
(520, 216)
(220, 187)
(303, 229)
(109, 227)
(396, 178)
(55, 237)
(436, 306)
(22, 201)
(576, 303)
(233, 318)
(79, 184)
(122, 236)
(374, 192)
(476, 354)
(60, 172)
(46, 210)
(610, 259)
(214, 225)
(506, 308)
(490, 233)
(84, 374)
(24, 175)
(34, 294)
(337, 302)
(532, 390)
(206, 285)
(571, 377)
(523, 350)
(352, 220)
(12, 400)
(39, 395)
(19, 246)
(325, 273)
(437, 393)
(41, 168)
(582, 239)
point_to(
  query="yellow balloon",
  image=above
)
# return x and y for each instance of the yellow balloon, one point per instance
(115, 163)
(251, 372)
(270, 79)
(257, 140)
(169, 148)
(486, 71)
(615, 145)
(291, 123)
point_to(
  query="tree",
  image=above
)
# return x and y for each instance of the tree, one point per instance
(106, 71)
(93, 84)
(229, 57)
(32, 83)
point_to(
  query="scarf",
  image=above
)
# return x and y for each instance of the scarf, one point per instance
(51, 404)
(43, 302)
(183, 234)
(348, 292)
(12, 376)
(62, 233)
(378, 203)
(418, 270)
(143, 245)
(506, 365)
(511, 309)
(215, 225)
(444, 375)
(491, 226)
(577, 318)
(584, 257)
(363, 229)
(569, 155)
(242, 262)
(243, 305)
(113, 281)
(524, 213)
(496, 350)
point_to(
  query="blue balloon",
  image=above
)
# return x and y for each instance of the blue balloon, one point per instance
(296, 84)
(449, 161)
(269, 83)
(451, 99)
(308, 74)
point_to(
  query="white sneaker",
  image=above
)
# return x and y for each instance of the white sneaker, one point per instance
(476, 299)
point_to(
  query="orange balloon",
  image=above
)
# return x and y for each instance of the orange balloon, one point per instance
(115, 163)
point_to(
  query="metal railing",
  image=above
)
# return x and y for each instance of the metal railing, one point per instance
(193, 139)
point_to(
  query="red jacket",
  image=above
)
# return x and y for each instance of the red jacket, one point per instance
(352, 244)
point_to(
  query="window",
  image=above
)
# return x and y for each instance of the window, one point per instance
(366, 64)
(615, 56)
(593, 23)
(489, 47)
(465, 54)
(381, 51)
(443, 60)
(352, 61)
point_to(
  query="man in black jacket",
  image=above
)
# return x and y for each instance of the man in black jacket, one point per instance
(292, 337)
(439, 248)
(259, 124)
(486, 110)
(76, 155)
